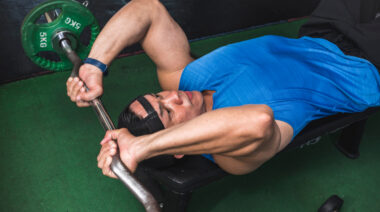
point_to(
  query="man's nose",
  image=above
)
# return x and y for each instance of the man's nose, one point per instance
(172, 98)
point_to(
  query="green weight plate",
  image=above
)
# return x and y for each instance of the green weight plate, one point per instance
(37, 37)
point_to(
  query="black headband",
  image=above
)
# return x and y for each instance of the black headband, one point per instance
(152, 121)
(150, 124)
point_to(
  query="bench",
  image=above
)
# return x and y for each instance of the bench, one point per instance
(172, 181)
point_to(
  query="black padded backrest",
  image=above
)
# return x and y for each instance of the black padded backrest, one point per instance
(327, 125)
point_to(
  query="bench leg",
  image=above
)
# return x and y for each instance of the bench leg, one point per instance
(350, 139)
(176, 202)
(149, 183)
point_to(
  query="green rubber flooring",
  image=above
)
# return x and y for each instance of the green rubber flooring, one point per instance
(48, 150)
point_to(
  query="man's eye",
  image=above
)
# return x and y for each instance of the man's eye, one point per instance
(155, 95)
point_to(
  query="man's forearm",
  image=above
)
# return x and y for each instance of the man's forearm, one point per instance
(230, 132)
(126, 27)
(147, 22)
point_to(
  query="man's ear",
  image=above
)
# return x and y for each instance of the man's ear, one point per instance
(178, 156)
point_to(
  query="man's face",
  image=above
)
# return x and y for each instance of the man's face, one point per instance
(173, 107)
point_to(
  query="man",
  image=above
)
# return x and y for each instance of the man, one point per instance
(239, 105)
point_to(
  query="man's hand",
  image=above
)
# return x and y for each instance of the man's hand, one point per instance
(129, 153)
(93, 78)
(104, 158)
(132, 150)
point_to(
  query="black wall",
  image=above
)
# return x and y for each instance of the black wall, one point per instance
(198, 18)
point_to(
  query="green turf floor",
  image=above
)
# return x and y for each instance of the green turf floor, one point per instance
(49, 147)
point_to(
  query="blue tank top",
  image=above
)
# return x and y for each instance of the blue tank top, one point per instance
(300, 79)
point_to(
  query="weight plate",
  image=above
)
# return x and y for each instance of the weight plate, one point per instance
(38, 37)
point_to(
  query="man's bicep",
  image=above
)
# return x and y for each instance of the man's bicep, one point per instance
(169, 80)
(167, 45)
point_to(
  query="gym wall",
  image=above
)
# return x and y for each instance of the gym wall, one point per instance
(198, 18)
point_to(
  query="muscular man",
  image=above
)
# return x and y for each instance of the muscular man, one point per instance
(238, 106)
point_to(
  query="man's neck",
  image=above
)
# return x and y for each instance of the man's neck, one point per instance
(207, 96)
